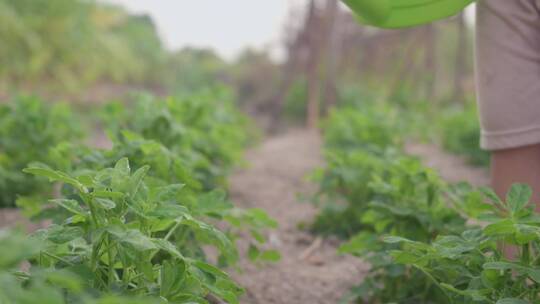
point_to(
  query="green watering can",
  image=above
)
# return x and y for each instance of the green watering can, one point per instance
(404, 13)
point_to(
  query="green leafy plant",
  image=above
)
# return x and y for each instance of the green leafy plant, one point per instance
(404, 198)
(30, 130)
(370, 188)
(38, 285)
(204, 129)
(372, 128)
(472, 267)
(460, 133)
(120, 236)
(71, 44)
(20, 250)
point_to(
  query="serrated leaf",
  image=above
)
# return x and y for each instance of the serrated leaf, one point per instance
(168, 247)
(132, 237)
(518, 197)
(501, 227)
(491, 195)
(213, 204)
(70, 205)
(171, 277)
(104, 203)
(60, 235)
(136, 179)
(122, 166)
(53, 175)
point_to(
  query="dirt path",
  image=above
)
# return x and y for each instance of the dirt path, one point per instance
(276, 175)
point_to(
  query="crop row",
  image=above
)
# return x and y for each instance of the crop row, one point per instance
(426, 241)
(130, 224)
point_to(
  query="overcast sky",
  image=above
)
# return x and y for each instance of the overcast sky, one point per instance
(228, 26)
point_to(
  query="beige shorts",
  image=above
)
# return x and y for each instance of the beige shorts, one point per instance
(508, 72)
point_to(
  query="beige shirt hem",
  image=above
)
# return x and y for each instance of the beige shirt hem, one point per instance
(510, 139)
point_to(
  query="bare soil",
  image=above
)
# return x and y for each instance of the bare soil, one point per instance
(310, 270)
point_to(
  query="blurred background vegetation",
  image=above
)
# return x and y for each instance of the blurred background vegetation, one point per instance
(87, 51)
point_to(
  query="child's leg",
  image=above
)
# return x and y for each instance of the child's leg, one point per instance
(519, 165)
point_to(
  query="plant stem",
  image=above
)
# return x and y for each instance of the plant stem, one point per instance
(57, 258)
(173, 229)
(111, 262)
(525, 254)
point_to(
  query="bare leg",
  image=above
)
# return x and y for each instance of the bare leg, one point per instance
(519, 165)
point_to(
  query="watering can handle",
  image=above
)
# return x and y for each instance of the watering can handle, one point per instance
(404, 13)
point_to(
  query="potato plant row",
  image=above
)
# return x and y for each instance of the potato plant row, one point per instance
(130, 224)
(415, 230)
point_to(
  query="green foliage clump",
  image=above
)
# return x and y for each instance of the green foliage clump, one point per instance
(296, 101)
(416, 231)
(370, 188)
(121, 233)
(73, 43)
(358, 143)
(45, 285)
(31, 130)
(204, 130)
(460, 133)
(471, 267)
(372, 128)
(191, 69)
(406, 199)
(135, 231)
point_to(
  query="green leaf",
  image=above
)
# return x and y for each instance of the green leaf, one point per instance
(213, 204)
(396, 239)
(171, 276)
(169, 211)
(60, 234)
(258, 236)
(168, 247)
(361, 243)
(21, 247)
(253, 252)
(104, 203)
(108, 194)
(270, 256)
(512, 301)
(168, 192)
(405, 258)
(53, 175)
(210, 269)
(136, 179)
(503, 266)
(132, 237)
(70, 205)
(518, 197)
(489, 193)
(473, 293)
(534, 274)
(502, 227)
(65, 279)
(122, 166)
(29, 206)
(209, 230)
